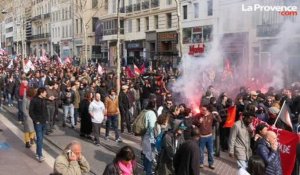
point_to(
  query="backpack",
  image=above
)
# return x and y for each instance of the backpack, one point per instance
(139, 127)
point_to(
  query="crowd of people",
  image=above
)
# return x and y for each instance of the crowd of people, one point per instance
(174, 132)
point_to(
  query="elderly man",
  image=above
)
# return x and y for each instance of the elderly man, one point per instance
(71, 161)
(239, 140)
(267, 149)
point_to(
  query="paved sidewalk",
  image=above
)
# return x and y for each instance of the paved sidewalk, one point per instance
(15, 159)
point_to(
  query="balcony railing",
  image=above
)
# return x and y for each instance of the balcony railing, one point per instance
(145, 5)
(40, 36)
(36, 17)
(137, 7)
(47, 15)
(112, 32)
(154, 3)
(129, 9)
(122, 9)
(267, 30)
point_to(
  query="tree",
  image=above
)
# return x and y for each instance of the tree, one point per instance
(83, 13)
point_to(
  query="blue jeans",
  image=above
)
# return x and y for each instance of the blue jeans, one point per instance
(39, 131)
(112, 120)
(9, 95)
(69, 109)
(208, 143)
(147, 165)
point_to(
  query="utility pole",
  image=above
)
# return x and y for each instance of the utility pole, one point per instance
(118, 49)
(179, 30)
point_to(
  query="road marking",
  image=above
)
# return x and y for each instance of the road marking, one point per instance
(48, 158)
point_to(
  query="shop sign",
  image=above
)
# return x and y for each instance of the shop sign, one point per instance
(167, 36)
(134, 45)
(196, 50)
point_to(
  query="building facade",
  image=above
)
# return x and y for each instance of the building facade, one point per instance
(62, 28)
(40, 26)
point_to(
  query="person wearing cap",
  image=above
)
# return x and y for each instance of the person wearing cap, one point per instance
(253, 98)
(170, 144)
(124, 109)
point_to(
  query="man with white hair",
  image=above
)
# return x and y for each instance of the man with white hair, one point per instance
(267, 149)
(71, 161)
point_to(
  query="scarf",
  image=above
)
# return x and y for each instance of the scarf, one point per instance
(126, 168)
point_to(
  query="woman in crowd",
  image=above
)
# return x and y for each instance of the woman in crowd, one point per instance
(86, 121)
(29, 133)
(123, 164)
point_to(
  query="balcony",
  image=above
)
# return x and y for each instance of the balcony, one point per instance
(129, 9)
(154, 3)
(47, 15)
(122, 10)
(137, 7)
(38, 17)
(267, 30)
(145, 5)
(40, 36)
(112, 32)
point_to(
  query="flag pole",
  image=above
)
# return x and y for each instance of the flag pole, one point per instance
(279, 113)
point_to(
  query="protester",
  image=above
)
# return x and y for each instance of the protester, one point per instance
(124, 109)
(187, 158)
(29, 133)
(86, 121)
(148, 139)
(38, 113)
(205, 123)
(71, 161)
(112, 112)
(97, 111)
(123, 164)
(170, 144)
(268, 150)
(239, 140)
(68, 99)
(52, 96)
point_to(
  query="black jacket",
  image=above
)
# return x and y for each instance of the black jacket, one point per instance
(38, 110)
(68, 100)
(123, 102)
(187, 158)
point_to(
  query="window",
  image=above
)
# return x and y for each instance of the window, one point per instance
(76, 23)
(94, 21)
(185, 13)
(196, 10)
(169, 20)
(130, 26)
(67, 31)
(169, 2)
(63, 31)
(209, 7)
(94, 3)
(138, 25)
(81, 25)
(66, 16)
(63, 14)
(147, 23)
(156, 21)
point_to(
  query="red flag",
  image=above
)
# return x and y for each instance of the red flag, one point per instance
(287, 145)
(129, 72)
(230, 119)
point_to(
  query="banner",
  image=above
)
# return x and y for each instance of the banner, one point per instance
(287, 145)
(230, 119)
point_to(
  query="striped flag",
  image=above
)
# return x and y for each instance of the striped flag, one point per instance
(137, 71)
(285, 115)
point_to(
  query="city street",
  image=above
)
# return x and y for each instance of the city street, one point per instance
(98, 157)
